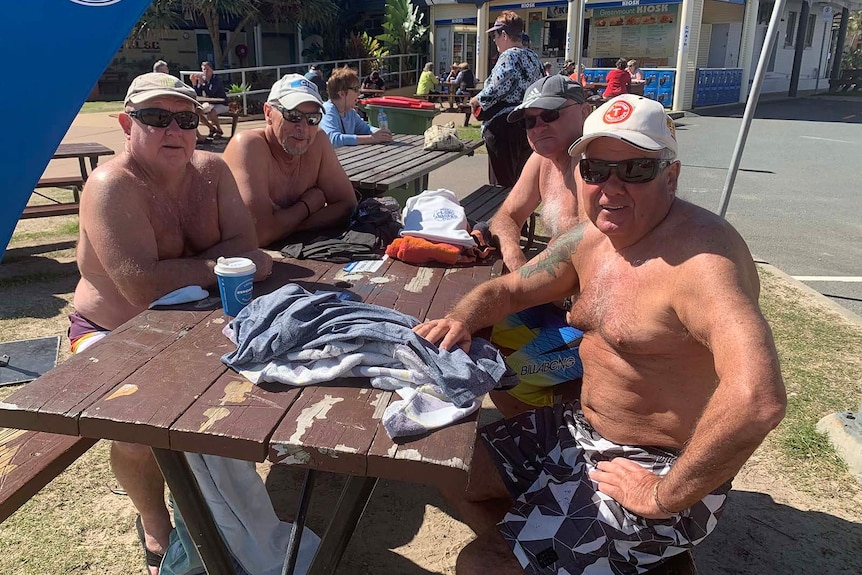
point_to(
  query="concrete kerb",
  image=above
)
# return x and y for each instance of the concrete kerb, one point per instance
(844, 429)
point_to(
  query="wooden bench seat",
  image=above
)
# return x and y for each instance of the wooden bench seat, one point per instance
(29, 460)
(47, 210)
(61, 182)
(483, 203)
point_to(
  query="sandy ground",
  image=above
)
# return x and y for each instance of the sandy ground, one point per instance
(771, 525)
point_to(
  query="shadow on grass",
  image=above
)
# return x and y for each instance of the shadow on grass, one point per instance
(757, 535)
(44, 281)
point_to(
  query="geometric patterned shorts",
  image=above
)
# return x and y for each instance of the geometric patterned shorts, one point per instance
(560, 523)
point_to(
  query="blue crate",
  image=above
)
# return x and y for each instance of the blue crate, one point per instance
(666, 78)
(651, 93)
(651, 78)
(665, 98)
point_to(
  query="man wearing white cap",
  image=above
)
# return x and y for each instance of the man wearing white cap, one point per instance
(288, 173)
(154, 220)
(681, 378)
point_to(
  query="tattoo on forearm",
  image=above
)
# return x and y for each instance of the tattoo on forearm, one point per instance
(558, 254)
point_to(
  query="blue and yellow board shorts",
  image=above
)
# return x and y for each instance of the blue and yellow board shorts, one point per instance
(542, 349)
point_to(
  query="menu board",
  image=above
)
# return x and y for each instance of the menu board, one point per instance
(634, 32)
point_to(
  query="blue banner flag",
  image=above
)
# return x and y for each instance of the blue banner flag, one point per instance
(63, 46)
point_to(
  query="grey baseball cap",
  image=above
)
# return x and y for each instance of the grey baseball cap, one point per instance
(155, 84)
(548, 93)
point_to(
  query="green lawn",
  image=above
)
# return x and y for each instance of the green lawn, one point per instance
(92, 107)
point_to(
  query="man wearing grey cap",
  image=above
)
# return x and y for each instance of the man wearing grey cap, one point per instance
(681, 378)
(153, 220)
(553, 113)
(287, 172)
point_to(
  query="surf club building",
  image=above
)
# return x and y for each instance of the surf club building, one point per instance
(692, 52)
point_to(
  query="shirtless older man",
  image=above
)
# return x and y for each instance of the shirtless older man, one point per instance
(287, 172)
(153, 220)
(553, 111)
(681, 378)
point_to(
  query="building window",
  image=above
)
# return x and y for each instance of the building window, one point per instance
(764, 12)
(809, 32)
(790, 32)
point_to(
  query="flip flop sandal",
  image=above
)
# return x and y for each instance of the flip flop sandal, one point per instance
(153, 559)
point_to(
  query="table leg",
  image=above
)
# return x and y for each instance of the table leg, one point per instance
(299, 523)
(196, 513)
(354, 497)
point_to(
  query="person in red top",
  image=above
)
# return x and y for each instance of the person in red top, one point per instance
(618, 81)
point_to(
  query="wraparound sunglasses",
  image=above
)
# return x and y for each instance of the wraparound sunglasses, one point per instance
(158, 118)
(547, 117)
(295, 116)
(635, 171)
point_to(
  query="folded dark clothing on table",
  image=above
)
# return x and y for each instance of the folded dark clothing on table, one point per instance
(373, 225)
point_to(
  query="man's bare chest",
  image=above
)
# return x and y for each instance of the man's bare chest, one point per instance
(287, 183)
(185, 226)
(630, 309)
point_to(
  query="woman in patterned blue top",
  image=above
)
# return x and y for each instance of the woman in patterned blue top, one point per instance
(516, 69)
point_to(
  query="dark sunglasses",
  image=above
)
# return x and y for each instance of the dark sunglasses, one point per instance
(295, 116)
(547, 117)
(636, 171)
(158, 118)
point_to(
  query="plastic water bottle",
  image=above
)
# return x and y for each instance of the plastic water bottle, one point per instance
(382, 121)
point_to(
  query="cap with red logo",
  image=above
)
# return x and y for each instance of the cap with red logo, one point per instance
(637, 121)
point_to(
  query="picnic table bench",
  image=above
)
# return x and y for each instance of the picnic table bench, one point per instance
(82, 152)
(481, 205)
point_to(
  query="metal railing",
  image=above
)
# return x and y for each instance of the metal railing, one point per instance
(398, 70)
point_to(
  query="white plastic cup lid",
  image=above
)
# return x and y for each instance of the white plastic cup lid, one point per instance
(235, 267)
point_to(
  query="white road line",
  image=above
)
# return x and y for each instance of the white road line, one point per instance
(827, 139)
(847, 279)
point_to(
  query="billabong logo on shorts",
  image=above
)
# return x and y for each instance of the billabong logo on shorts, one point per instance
(445, 214)
(95, 2)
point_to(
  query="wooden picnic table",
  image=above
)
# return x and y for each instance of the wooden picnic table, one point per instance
(158, 380)
(375, 169)
(82, 151)
(370, 92)
(91, 151)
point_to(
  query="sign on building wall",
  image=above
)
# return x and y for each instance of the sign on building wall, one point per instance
(634, 32)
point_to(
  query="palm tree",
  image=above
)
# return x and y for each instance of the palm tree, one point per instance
(163, 14)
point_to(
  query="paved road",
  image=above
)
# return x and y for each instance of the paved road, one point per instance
(797, 200)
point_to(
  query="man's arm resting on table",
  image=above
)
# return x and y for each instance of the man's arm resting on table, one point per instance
(747, 404)
(522, 201)
(125, 243)
(336, 200)
(550, 276)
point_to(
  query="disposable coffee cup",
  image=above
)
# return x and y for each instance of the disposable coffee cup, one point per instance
(235, 283)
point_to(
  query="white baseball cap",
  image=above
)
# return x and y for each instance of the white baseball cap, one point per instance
(635, 120)
(293, 90)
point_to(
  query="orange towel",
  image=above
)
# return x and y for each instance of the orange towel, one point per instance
(415, 250)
